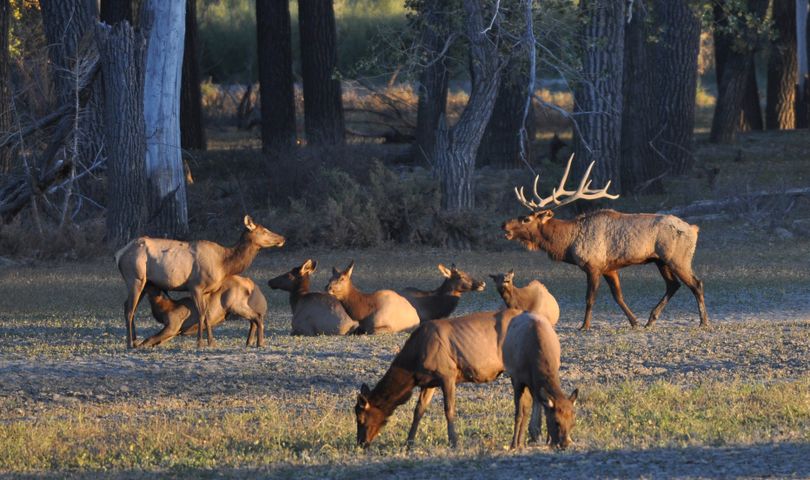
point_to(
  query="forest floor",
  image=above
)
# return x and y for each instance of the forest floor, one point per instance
(731, 400)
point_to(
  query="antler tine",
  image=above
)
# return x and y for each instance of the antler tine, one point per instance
(584, 192)
(531, 204)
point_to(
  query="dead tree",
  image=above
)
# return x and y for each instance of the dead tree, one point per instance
(5, 84)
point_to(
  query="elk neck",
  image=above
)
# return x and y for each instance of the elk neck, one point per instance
(241, 255)
(358, 305)
(393, 390)
(160, 303)
(448, 287)
(556, 236)
(300, 289)
(509, 295)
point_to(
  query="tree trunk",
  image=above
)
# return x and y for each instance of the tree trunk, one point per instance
(751, 117)
(165, 24)
(782, 69)
(734, 70)
(802, 46)
(500, 145)
(114, 11)
(6, 120)
(456, 147)
(323, 108)
(598, 96)
(121, 53)
(277, 92)
(432, 86)
(192, 133)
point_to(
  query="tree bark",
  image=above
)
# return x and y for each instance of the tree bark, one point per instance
(121, 53)
(598, 96)
(165, 24)
(751, 118)
(192, 132)
(6, 120)
(802, 46)
(432, 86)
(114, 11)
(276, 87)
(456, 147)
(782, 69)
(323, 107)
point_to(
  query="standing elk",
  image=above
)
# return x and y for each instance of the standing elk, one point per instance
(383, 311)
(534, 297)
(314, 313)
(474, 348)
(237, 296)
(198, 267)
(440, 303)
(604, 241)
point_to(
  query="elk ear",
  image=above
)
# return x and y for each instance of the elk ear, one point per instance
(249, 223)
(349, 269)
(308, 267)
(510, 275)
(444, 270)
(546, 216)
(574, 396)
(549, 402)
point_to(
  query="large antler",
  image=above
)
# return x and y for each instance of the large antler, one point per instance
(582, 192)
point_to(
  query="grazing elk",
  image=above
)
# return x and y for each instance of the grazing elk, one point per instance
(237, 296)
(198, 267)
(474, 348)
(314, 313)
(377, 312)
(604, 241)
(534, 297)
(440, 303)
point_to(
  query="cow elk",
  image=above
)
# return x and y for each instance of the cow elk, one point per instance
(198, 267)
(440, 303)
(314, 313)
(604, 241)
(534, 297)
(237, 296)
(474, 348)
(383, 311)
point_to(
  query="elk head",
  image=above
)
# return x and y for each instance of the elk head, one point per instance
(260, 235)
(370, 419)
(459, 281)
(340, 284)
(560, 419)
(503, 281)
(291, 280)
(527, 228)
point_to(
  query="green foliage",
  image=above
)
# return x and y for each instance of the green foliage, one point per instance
(228, 40)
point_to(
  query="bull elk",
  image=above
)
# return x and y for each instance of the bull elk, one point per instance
(440, 303)
(382, 311)
(237, 296)
(314, 313)
(474, 348)
(604, 241)
(534, 297)
(198, 267)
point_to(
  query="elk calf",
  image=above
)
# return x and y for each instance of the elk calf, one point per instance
(534, 297)
(474, 348)
(377, 312)
(440, 303)
(314, 313)
(602, 242)
(237, 296)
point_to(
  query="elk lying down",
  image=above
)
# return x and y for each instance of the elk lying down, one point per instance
(314, 313)
(534, 297)
(602, 242)
(237, 296)
(198, 267)
(474, 348)
(383, 311)
(440, 303)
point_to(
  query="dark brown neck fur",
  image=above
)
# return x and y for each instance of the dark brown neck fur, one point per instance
(300, 289)
(515, 297)
(446, 288)
(241, 255)
(358, 305)
(393, 390)
(555, 237)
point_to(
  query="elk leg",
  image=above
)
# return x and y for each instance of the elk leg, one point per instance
(166, 333)
(260, 332)
(425, 395)
(612, 279)
(696, 285)
(590, 297)
(201, 304)
(523, 402)
(672, 286)
(130, 306)
(449, 392)
(251, 333)
(536, 422)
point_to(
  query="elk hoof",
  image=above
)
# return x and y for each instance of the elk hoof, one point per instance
(650, 323)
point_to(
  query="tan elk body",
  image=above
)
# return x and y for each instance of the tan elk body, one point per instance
(382, 311)
(440, 303)
(534, 297)
(237, 296)
(198, 267)
(474, 348)
(604, 241)
(314, 313)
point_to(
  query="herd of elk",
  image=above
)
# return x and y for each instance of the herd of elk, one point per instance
(604, 241)
(534, 297)
(440, 303)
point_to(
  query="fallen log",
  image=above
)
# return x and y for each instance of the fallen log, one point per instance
(728, 207)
